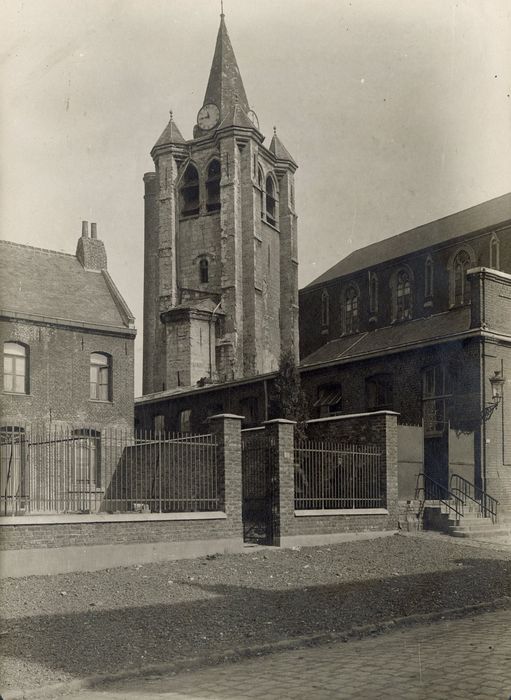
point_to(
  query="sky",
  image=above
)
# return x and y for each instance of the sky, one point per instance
(397, 113)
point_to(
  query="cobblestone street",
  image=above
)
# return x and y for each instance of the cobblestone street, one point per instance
(456, 659)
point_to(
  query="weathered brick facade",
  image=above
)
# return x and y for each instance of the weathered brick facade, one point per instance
(61, 309)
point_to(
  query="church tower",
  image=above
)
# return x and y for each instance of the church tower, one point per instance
(220, 258)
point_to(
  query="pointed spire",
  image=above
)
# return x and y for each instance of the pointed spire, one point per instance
(279, 150)
(225, 86)
(171, 134)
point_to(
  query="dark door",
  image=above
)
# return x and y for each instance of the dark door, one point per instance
(257, 488)
(436, 466)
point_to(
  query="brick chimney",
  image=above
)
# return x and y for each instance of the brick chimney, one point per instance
(91, 252)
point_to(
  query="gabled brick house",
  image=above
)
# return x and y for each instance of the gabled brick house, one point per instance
(67, 338)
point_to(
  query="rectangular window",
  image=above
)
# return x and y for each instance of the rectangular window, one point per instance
(100, 377)
(436, 396)
(15, 368)
(185, 420)
(379, 393)
(159, 424)
(329, 401)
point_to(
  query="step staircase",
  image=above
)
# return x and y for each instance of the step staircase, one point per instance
(462, 510)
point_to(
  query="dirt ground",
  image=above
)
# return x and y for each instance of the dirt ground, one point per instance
(58, 628)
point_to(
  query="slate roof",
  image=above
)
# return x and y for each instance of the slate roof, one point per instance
(400, 335)
(171, 134)
(279, 150)
(46, 284)
(225, 86)
(491, 214)
(236, 117)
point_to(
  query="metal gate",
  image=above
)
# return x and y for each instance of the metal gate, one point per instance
(258, 487)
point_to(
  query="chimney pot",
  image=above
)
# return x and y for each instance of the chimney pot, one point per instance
(93, 231)
(85, 229)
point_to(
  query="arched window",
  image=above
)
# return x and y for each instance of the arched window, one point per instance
(100, 377)
(213, 186)
(271, 202)
(351, 310)
(373, 292)
(460, 282)
(190, 192)
(494, 252)
(325, 308)
(428, 278)
(403, 296)
(16, 378)
(203, 271)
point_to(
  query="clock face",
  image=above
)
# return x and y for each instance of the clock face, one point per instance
(208, 117)
(253, 118)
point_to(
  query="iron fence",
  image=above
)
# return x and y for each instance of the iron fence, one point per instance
(59, 470)
(331, 475)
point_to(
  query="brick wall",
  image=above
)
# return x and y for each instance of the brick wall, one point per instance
(59, 367)
(112, 533)
(313, 335)
(379, 429)
(222, 529)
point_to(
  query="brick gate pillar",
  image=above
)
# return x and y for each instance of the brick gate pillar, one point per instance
(389, 444)
(282, 435)
(227, 429)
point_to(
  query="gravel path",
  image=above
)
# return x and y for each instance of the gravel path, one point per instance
(75, 625)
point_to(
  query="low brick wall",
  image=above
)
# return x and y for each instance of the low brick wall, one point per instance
(88, 534)
(53, 544)
(48, 544)
(295, 527)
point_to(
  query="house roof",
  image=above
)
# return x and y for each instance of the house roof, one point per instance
(491, 214)
(391, 338)
(45, 284)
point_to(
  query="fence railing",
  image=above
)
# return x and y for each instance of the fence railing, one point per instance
(331, 475)
(59, 470)
(467, 491)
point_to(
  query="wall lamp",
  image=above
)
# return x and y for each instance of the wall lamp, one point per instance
(497, 381)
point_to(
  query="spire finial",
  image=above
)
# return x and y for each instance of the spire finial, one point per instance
(222, 8)
(171, 115)
(274, 130)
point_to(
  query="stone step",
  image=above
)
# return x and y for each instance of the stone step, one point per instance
(482, 525)
(475, 534)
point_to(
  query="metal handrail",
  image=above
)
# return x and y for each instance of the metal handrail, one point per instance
(440, 493)
(488, 505)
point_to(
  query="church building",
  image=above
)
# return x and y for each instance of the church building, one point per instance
(418, 324)
(220, 261)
